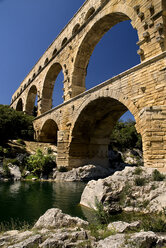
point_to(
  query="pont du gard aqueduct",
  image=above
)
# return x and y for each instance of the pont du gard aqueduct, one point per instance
(82, 125)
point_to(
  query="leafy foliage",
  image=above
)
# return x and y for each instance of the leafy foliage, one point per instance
(140, 181)
(125, 136)
(40, 164)
(157, 176)
(138, 171)
(101, 214)
(14, 124)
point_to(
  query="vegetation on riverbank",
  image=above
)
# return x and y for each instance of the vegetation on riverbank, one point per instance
(14, 125)
(19, 126)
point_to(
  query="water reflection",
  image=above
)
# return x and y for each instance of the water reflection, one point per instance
(67, 197)
(14, 188)
(27, 201)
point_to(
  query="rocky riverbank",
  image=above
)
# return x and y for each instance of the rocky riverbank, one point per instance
(26, 160)
(132, 189)
(56, 229)
(136, 189)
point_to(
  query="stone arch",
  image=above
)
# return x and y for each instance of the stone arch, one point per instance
(96, 31)
(19, 106)
(92, 127)
(48, 86)
(76, 28)
(39, 68)
(46, 61)
(89, 13)
(30, 102)
(64, 41)
(49, 132)
(54, 52)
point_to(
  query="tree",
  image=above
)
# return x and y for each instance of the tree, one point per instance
(14, 124)
(125, 135)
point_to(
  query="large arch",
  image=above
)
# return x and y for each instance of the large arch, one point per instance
(48, 86)
(31, 97)
(19, 106)
(49, 132)
(92, 128)
(96, 31)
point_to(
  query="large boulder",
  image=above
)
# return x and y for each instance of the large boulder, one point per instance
(141, 239)
(14, 171)
(132, 189)
(85, 173)
(54, 218)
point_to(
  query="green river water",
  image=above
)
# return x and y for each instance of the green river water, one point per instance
(27, 201)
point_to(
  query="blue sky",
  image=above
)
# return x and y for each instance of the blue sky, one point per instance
(29, 26)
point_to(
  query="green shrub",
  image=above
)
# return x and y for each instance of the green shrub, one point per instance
(138, 171)
(157, 176)
(6, 170)
(140, 181)
(49, 150)
(155, 223)
(124, 194)
(14, 224)
(100, 231)
(15, 124)
(30, 176)
(40, 164)
(62, 169)
(13, 161)
(101, 215)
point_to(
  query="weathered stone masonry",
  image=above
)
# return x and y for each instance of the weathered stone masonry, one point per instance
(85, 120)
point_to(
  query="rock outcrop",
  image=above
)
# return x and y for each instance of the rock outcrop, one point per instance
(56, 229)
(85, 173)
(54, 218)
(141, 239)
(133, 189)
(14, 171)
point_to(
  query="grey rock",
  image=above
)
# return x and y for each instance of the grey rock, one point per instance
(54, 218)
(141, 239)
(109, 192)
(65, 239)
(28, 243)
(120, 226)
(114, 241)
(85, 173)
(14, 171)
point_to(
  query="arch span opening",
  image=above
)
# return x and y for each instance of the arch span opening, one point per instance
(53, 88)
(49, 132)
(19, 106)
(91, 134)
(116, 52)
(31, 104)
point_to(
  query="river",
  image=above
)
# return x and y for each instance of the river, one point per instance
(27, 201)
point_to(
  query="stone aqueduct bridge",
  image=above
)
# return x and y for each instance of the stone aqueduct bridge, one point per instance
(82, 125)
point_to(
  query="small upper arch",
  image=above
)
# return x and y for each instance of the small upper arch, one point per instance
(76, 28)
(64, 41)
(19, 106)
(54, 52)
(89, 13)
(46, 61)
(39, 68)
